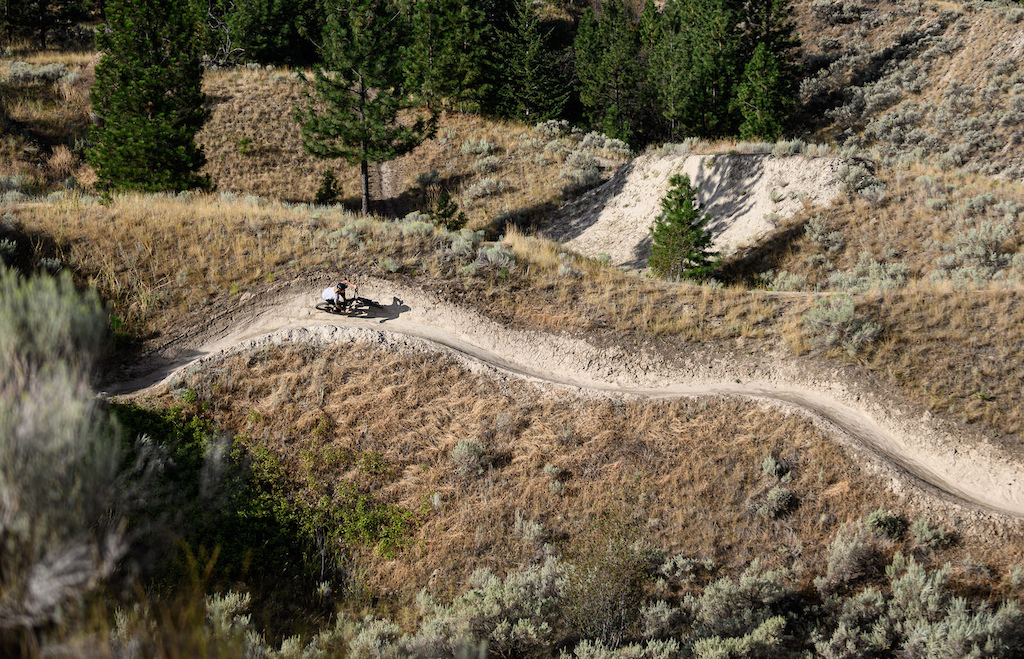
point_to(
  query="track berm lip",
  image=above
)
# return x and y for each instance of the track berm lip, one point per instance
(914, 456)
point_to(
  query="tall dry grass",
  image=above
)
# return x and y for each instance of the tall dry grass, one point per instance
(161, 259)
(685, 476)
(253, 146)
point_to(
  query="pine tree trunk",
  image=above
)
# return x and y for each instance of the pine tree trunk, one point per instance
(364, 170)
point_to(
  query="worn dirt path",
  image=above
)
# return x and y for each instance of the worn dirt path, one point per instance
(914, 455)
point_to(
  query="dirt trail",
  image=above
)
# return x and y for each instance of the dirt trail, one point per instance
(913, 454)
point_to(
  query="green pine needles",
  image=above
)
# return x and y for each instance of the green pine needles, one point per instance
(148, 97)
(353, 112)
(680, 239)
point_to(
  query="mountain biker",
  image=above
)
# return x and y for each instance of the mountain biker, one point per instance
(335, 295)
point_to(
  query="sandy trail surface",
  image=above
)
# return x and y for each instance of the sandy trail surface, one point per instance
(913, 455)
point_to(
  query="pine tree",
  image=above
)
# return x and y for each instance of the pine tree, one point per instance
(37, 18)
(536, 88)
(148, 97)
(446, 213)
(680, 239)
(353, 114)
(448, 55)
(762, 98)
(767, 90)
(611, 85)
(710, 41)
(273, 30)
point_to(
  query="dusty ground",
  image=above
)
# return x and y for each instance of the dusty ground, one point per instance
(747, 195)
(917, 456)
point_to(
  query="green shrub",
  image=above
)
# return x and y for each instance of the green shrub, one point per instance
(759, 642)
(64, 500)
(819, 231)
(495, 257)
(469, 456)
(833, 321)
(851, 555)
(480, 147)
(329, 190)
(552, 129)
(737, 607)
(978, 253)
(487, 164)
(514, 616)
(446, 213)
(929, 536)
(44, 321)
(530, 531)
(870, 275)
(771, 467)
(604, 592)
(776, 502)
(886, 524)
(484, 188)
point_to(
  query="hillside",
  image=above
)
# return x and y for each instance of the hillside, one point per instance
(531, 445)
(747, 196)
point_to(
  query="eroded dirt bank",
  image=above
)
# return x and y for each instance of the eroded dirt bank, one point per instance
(745, 194)
(915, 455)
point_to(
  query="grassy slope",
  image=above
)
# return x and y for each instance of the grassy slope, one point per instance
(951, 351)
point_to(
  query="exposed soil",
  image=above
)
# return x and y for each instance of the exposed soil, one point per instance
(747, 195)
(926, 460)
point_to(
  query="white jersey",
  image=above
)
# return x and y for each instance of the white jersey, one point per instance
(329, 295)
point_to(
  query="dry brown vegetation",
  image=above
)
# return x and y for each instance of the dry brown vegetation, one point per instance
(684, 473)
(951, 351)
(253, 146)
(47, 117)
(685, 476)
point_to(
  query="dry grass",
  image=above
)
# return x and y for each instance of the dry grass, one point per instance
(50, 116)
(955, 351)
(27, 51)
(952, 351)
(244, 156)
(252, 145)
(158, 258)
(908, 227)
(681, 474)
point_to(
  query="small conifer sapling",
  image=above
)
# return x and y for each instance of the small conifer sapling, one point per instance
(680, 239)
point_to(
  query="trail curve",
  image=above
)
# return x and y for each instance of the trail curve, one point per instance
(973, 477)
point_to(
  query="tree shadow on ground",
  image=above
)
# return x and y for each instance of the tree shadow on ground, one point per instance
(728, 184)
(576, 216)
(745, 266)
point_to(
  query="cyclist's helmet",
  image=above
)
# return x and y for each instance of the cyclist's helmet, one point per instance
(341, 286)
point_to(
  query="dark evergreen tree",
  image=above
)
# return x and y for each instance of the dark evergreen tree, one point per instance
(537, 85)
(274, 31)
(762, 98)
(608, 70)
(770, 22)
(700, 58)
(711, 41)
(446, 212)
(37, 18)
(148, 96)
(767, 92)
(447, 59)
(353, 112)
(665, 51)
(680, 239)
